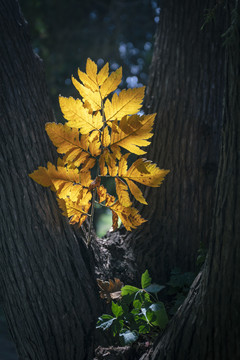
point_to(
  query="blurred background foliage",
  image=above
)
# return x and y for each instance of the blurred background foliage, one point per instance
(65, 33)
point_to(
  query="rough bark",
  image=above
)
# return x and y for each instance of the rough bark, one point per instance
(207, 325)
(47, 280)
(185, 90)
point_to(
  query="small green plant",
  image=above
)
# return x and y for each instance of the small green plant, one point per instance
(178, 287)
(138, 312)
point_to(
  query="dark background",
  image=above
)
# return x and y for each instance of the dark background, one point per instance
(65, 33)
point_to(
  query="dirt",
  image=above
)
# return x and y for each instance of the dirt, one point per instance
(133, 352)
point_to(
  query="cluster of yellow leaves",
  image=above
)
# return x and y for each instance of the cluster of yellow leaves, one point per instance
(104, 132)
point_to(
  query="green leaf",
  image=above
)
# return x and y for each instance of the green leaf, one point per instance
(128, 337)
(161, 315)
(144, 312)
(154, 288)
(146, 279)
(105, 321)
(144, 329)
(117, 326)
(137, 304)
(117, 310)
(129, 290)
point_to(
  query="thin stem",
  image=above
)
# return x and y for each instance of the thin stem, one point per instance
(89, 239)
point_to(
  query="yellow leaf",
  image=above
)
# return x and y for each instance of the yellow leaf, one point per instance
(104, 196)
(133, 132)
(88, 164)
(122, 193)
(105, 137)
(111, 83)
(93, 97)
(74, 158)
(78, 213)
(95, 183)
(102, 193)
(67, 142)
(136, 192)
(102, 167)
(84, 197)
(89, 79)
(146, 173)
(116, 152)
(103, 74)
(110, 200)
(91, 69)
(85, 177)
(94, 145)
(78, 116)
(122, 166)
(128, 102)
(114, 221)
(111, 163)
(41, 176)
(129, 216)
(64, 181)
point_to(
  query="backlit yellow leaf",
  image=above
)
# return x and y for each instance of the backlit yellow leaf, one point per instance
(67, 142)
(91, 69)
(78, 116)
(76, 212)
(105, 137)
(122, 193)
(128, 102)
(133, 132)
(102, 193)
(114, 221)
(129, 216)
(85, 177)
(64, 181)
(102, 165)
(110, 200)
(122, 166)
(104, 196)
(94, 145)
(111, 83)
(111, 163)
(146, 173)
(103, 74)
(89, 164)
(93, 97)
(136, 192)
(89, 79)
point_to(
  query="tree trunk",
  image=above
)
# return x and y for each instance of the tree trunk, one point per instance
(207, 325)
(47, 279)
(185, 90)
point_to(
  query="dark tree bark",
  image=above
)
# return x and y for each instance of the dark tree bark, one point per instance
(186, 91)
(48, 289)
(207, 326)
